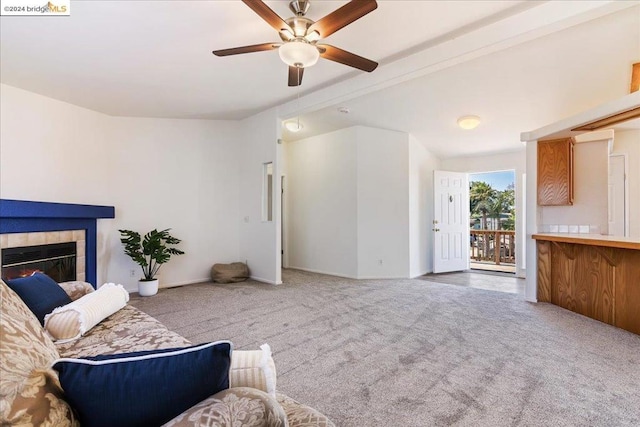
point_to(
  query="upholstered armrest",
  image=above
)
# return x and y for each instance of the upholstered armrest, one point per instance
(254, 369)
(300, 415)
(76, 289)
(235, 406)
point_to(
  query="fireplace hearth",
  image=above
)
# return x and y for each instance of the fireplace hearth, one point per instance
(57, 260)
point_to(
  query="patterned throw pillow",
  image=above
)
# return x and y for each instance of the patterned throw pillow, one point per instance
(76, 288)
(146, 388)
(40, 293)
(30, 393)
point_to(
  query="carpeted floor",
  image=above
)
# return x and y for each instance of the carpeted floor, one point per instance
(418, 353)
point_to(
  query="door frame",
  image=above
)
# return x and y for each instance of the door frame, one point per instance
(284, 255)
(626, 189)
(520, 203)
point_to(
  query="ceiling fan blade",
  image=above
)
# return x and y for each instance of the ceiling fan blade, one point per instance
(342, 17)
(246, 49)
(295, 76)
(272, 18)
(333, 53)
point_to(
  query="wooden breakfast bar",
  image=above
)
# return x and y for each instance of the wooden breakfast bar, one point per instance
(593, 275)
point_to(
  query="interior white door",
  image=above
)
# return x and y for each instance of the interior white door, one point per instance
(451, 221)
(617, 202)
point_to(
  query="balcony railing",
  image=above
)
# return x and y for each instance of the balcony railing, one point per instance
(494, 246)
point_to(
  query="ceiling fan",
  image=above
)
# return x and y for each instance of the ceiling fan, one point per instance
(300, 35)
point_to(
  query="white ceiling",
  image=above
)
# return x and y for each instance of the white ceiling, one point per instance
(153, 59)
(514, 90)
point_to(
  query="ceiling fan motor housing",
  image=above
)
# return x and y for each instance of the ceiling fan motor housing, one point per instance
(299, 24)
(299, 7)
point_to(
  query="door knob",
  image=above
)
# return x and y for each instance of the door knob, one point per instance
(436, 229)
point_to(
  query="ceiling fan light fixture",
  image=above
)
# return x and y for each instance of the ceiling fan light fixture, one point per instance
(293, 126)
(298, 53)
(313, 36)
(469, 122)
(287, 35)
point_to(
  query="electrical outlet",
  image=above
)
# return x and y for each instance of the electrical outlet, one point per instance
(132, 273)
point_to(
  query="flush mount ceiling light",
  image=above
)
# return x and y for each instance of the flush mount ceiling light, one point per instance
(469, 122)
(294, 126)
(299, 53)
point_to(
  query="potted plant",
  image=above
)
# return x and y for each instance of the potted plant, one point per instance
(149, 253)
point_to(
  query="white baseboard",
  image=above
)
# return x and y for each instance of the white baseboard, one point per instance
(331, 273)
(328, 273)
(173, 285)
(421, 274)
(188, 282)
(260, 279)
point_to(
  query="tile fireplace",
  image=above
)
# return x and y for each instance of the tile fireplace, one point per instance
(27, 225)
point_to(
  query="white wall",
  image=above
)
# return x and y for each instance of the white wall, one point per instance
(496, 162)
(259, 240)
(421, 166)
(157, 173)
(628, 142)
(178, 174)
(61, 147)
(348, 203)
(590, 191)
(383, 203)
(322, 202)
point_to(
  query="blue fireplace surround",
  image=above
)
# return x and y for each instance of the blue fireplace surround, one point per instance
(22, 216)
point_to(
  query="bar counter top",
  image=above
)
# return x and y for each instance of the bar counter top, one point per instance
(602, 240)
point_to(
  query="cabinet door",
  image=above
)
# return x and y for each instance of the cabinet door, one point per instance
(555, 172)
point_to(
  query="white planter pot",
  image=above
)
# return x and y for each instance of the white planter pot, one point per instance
(147, 288)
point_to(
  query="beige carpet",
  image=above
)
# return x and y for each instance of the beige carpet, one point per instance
(418, 353)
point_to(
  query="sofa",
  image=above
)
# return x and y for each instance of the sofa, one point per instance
(31, 392)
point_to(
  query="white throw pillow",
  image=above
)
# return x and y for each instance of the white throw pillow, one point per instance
(254, 369)
(73, 320)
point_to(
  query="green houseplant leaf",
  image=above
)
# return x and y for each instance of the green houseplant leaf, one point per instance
(150, 251)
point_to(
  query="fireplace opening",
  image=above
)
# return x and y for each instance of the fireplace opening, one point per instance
(57, 261)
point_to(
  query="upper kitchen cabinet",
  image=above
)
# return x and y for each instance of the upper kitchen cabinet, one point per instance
(555, 172)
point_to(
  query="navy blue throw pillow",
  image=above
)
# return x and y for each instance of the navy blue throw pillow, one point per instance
(40, 293)
(147, 388)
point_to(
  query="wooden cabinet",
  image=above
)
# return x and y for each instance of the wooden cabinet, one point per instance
(555, 172)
